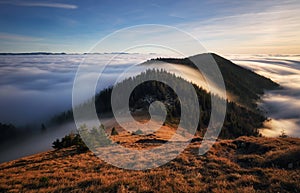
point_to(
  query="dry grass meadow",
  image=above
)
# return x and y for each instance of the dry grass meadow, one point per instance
(246, 164)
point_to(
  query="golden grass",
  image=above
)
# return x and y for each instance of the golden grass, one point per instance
(246, 164)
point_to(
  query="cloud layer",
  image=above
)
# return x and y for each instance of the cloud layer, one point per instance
(40, 4)
(282, 106)
(33, 88)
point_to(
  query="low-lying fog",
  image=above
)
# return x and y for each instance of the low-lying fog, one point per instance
(36, 87)
(283, 106)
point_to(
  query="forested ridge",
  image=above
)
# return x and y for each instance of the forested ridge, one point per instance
(246, 85)
(239, 120)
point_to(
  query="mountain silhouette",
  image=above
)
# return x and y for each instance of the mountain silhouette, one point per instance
(244, 84)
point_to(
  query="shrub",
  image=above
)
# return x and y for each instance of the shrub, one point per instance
(138, 132)
(114, 131)
(283, 134)
(70, 140)
(44, 180)
(95, 137)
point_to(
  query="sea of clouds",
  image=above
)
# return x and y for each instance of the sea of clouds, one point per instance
(282, 106)
(35, 87)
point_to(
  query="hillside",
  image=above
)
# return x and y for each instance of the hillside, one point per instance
(242, 116)
(246, 164)
(244, 84)
(239, 121)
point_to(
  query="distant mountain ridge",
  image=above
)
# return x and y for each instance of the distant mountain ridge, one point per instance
(57, 53)
(33, 53)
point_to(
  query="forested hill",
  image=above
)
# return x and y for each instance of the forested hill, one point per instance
(239, 121)
(246, 85)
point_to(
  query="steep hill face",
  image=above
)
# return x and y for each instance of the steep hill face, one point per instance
(246, 85)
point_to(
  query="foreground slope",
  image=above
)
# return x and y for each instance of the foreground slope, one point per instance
(246, 164)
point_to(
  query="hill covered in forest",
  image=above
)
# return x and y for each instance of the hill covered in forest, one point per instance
(243, 83)
(240, 120)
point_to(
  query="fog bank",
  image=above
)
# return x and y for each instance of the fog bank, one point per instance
(282, 106)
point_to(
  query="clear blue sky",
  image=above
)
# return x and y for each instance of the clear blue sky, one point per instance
(226, 27)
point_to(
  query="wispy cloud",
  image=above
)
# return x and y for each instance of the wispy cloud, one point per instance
(177, 15)
(16, 37)
(274, 29)
(40, 4)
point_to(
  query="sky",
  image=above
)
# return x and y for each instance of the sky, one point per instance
(224, 27)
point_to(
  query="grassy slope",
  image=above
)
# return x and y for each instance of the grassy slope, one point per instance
(246, 164)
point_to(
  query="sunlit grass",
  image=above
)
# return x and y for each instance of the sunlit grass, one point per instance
(247, 164)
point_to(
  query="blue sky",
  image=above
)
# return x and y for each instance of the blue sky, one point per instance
(232, 27)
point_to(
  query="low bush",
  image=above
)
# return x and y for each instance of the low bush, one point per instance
(70, 140)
